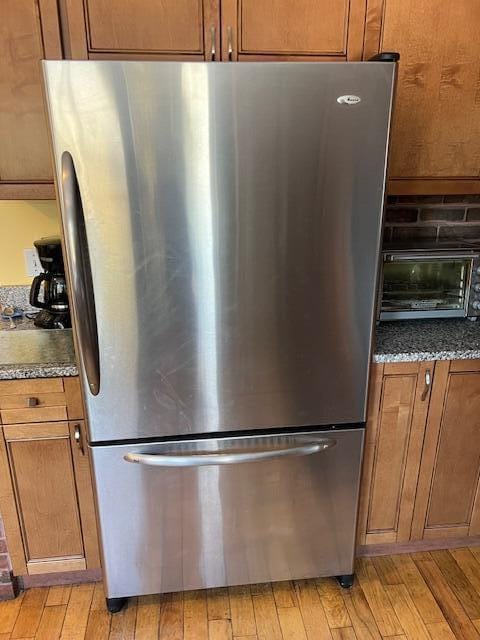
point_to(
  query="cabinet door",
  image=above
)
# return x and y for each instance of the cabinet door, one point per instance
(50, 484)
(447, 502)
(398, 404)
(29, 31)
(293, 29)
(141, 29)
(436, 122)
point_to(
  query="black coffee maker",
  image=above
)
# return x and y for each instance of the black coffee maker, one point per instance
(49, 289)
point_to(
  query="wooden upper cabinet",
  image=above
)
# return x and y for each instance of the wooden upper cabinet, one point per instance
(435, 143)
(447, 502)
(141, 29)
(29, 31)
(397, 413)
(292, 29)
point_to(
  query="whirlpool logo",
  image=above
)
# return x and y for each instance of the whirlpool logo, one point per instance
(349, 99)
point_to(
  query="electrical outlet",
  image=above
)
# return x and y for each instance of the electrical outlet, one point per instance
(32, 262)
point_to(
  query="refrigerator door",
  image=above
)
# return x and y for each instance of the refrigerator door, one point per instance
(171, 522)
(222, 226)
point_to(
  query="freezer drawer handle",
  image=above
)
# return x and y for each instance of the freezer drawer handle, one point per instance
(204, 459)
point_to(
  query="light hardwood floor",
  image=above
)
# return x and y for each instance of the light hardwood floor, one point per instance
(422, 596)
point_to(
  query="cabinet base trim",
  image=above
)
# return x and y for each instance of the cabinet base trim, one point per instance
(419, 545)
(27, 191)
(54, 566)
(61, 577)
(433, 186)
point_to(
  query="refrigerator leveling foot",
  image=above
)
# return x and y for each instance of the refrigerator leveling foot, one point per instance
(346, 581)
(114, 605)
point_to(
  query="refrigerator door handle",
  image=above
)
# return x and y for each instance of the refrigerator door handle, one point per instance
(205, 459)
(80, 274)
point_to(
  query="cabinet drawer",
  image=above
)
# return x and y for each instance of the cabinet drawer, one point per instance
(35, 414)
(32, 401)
(35, 431)
(31, 387)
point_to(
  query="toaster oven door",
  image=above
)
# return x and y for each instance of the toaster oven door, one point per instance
(425, 286)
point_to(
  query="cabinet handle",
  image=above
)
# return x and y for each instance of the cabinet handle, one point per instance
(428, 384)
(77, 435)
(229, 43)
(31, 402)
(213, 49)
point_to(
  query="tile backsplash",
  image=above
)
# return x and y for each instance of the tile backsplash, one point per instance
(432, 218)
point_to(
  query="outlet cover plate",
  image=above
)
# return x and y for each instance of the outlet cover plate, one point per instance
(32, 262)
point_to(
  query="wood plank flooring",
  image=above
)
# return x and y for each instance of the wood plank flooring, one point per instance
(422, 596)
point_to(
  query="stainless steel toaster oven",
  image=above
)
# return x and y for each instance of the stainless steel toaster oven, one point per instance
(430, 284)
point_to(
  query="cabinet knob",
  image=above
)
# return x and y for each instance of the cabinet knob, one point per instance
(31, 402)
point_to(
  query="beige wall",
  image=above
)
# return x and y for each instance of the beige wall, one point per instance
(22, 222)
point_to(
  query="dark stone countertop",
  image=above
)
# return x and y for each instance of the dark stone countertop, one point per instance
(415, 340)
(27, 352)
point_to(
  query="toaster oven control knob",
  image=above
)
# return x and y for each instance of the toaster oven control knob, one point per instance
(476, 287)
(477, 271)
(476, 304)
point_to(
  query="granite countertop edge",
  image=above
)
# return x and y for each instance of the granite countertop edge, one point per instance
(24, 372)
(423, 356)
(404, 341)
(29, 371)
(421, 340)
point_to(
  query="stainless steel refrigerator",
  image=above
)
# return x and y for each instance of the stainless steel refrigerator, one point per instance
(222, 226)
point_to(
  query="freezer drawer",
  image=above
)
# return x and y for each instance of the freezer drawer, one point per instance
(215, 512)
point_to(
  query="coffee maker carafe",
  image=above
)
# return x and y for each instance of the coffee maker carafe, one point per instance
(49, 289)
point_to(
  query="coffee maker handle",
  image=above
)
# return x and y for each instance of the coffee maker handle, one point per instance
(35, 290)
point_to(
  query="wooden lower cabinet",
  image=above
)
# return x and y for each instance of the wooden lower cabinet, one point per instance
(422, 453)
(46, 496)
(399, 397)
(447, 502)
